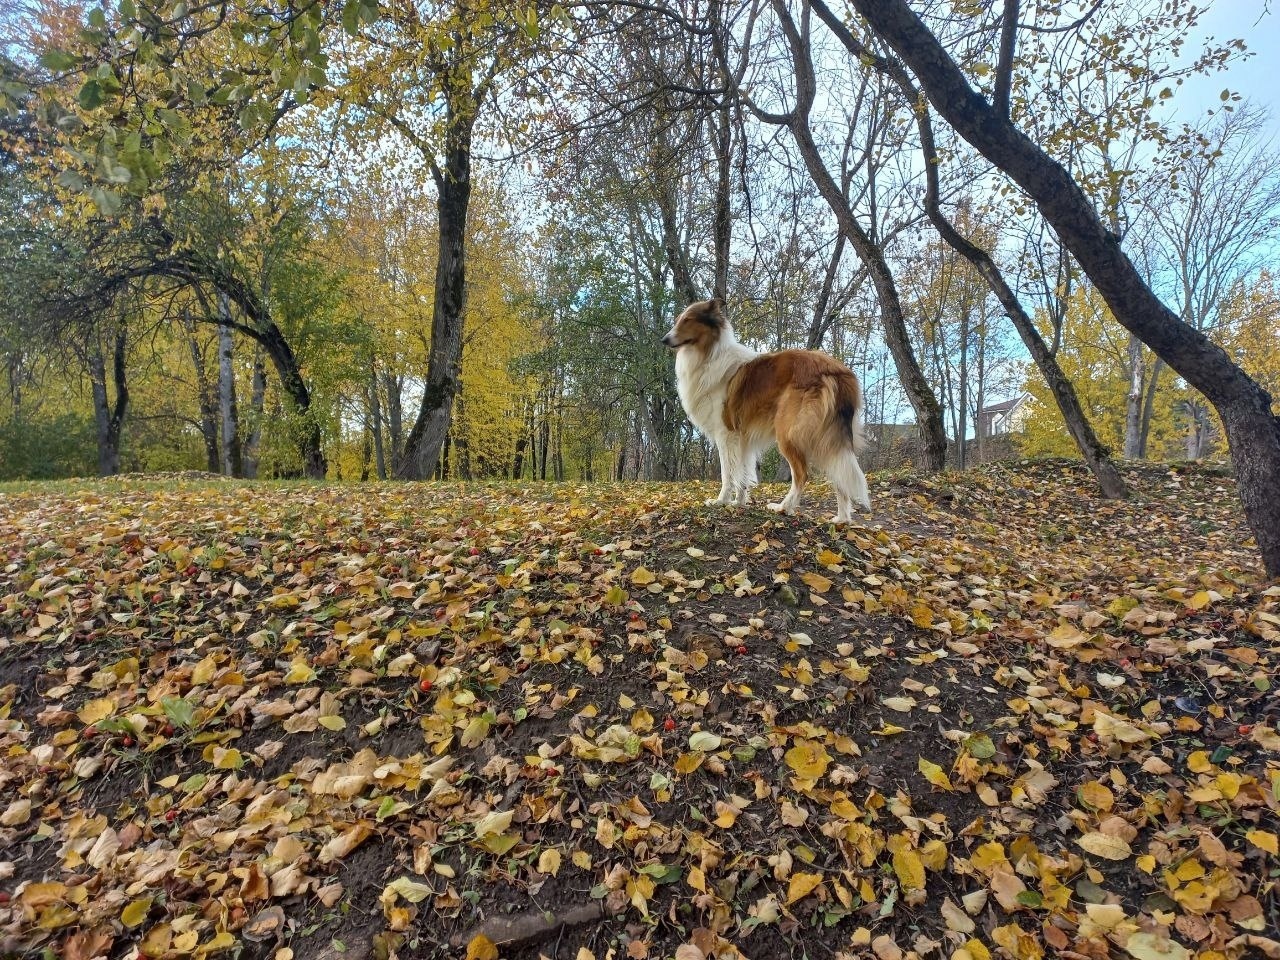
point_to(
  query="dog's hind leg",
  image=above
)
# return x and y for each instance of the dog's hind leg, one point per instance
(850, 484)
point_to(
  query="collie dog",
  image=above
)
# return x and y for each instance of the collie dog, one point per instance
(744, 402)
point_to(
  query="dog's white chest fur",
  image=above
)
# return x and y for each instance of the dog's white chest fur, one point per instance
(703, 382)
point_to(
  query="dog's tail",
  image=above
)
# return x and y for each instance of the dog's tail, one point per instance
(839, 437)
(847, 403)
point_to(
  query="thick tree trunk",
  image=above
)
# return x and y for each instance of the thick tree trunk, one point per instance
(1253, 431)
(257, 400)
(232, 465)
(422, 447)
(928, 412)
(1133, 401)
(109, 418)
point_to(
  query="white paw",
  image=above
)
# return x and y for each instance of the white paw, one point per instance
(716, 502)
(838, 519)
(782, 508)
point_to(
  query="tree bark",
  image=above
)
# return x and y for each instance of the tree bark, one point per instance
(257, 400)
(1148, 407)
(1133, 401)
(422, 447)
(1252, 430)
(232, 464)
(109, 418)
(204, 395)
(375, 424)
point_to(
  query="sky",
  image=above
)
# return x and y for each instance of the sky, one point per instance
(1257, 22)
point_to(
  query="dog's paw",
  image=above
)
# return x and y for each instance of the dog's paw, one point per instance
(714, 502)
(839, 520)
(782, 508)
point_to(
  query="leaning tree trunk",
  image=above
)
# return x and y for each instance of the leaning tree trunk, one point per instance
(1252, 430)
(1095, 454)
(422, 447)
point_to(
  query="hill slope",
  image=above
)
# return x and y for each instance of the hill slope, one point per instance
(998, 717)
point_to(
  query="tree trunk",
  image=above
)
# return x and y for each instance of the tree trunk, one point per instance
(927, 410)
(375, 424)
(204, 394)
(722, 227)
(395, 415)
(257, 400)
(1133, 401)
(422, 447)
(109, 419)
(1252, 430)
(232, 465)
(1148, 407)
(1095, 454)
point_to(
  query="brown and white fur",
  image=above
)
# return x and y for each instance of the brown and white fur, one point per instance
(744, 402)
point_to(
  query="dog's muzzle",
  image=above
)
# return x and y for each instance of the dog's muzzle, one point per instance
(669, 340)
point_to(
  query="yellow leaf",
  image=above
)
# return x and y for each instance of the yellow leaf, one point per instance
(300, 672)
(901, 704)
(1200, 600)
(935, 774)
(1096, 796)
(816, 582)
(135, 912)
(1154, 946)
(482, 948)
(801, 885)
(810, 760)
(549, 861)
(910, 869)
(642, 577)
(828, 557)
(1263, 841)
(1107, 847)
(96, 710)
(332, 723)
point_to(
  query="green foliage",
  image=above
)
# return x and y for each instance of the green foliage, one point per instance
(39, 448)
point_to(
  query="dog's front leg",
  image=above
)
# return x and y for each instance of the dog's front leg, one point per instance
(728, 489)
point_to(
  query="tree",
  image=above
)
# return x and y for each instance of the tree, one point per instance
(1252, 430)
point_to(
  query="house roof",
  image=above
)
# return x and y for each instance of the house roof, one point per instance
(1002, 407)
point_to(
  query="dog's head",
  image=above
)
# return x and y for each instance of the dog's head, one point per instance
(700, 325)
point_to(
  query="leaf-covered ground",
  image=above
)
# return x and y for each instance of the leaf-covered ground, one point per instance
(998, 717)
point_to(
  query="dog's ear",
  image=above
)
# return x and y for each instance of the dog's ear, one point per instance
(717, 305)
(713, 315)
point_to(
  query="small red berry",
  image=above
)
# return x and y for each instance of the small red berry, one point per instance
(742, 648)
(426, 685)
(157, 597)
(128, 741)
(597, 552)
(474, 551)
(634, 616)
(668, 724)
(171, 815)
(1245, 729)
(90, 732)
(167, 729)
